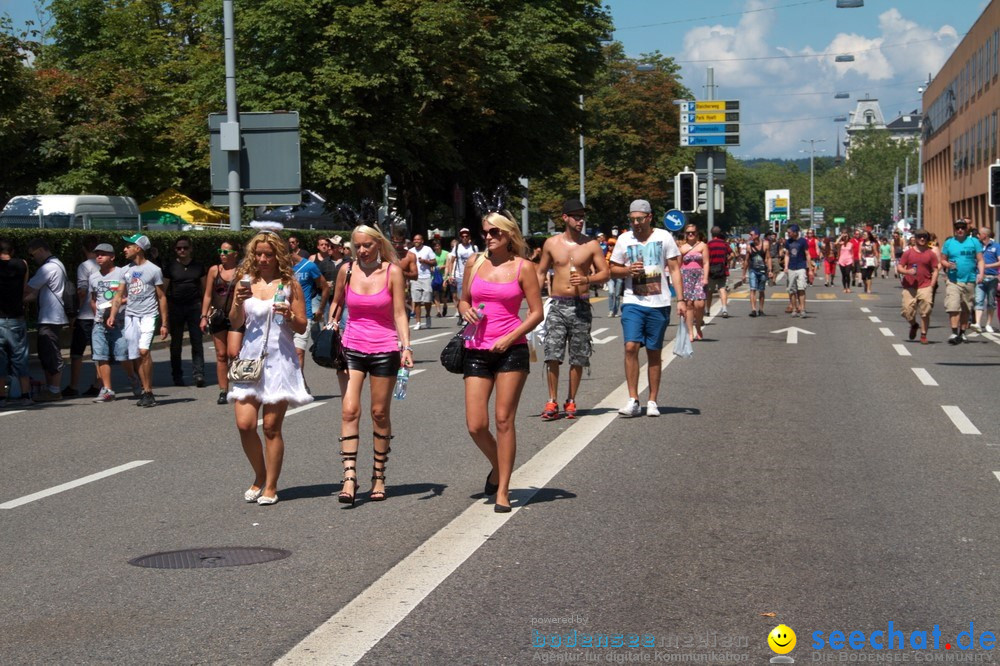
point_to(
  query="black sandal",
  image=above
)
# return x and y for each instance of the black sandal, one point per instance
(378, 473)
(348, 456)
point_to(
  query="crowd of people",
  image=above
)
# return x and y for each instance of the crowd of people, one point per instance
(261, 303)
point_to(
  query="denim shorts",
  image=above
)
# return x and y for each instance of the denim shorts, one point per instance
(986, 293)
(758, 280)
(385, 364)
(109, 344)
(13, 348)
(645, 325)
(486, 363)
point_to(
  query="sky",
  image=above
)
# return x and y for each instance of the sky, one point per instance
(764, 53)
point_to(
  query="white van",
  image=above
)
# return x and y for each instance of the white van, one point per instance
(71, 211)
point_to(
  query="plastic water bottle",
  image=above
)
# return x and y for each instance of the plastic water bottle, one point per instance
(469, 331)
(402, 379)
(279, 297)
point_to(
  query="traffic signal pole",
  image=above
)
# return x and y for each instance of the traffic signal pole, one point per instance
(710, 164)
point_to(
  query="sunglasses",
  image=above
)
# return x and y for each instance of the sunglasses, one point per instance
(637, 218)
(691, 233)
(494, 232)
(922, 237)
(221, 251)
(577, 216)
(182, 247)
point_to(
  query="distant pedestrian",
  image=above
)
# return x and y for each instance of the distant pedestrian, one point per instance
(986, 291)
(220, 286)
(756, 267)
(918, 268)
(800, 270)
(422, 289)
(844, 249)
(438, 284)
(13, 327)
(108, 342)
(829, 253)
(47, 286)
(962, 257)
(311, 279)
(885, 257)
(694, 279)
(455, 268)
(614, 285)
(184, 285)
(720, 256)
(869, 253)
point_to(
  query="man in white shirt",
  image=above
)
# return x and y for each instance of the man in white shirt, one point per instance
(455, 268)
(46, 286)
(642, 256)
(421, 289)
(83, 325)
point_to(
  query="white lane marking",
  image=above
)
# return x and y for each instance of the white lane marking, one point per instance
(601, 341)
(997, 474)
(992, 337)
(792, 337)
(961, 421)
(16, 411)
(303, 408)
(417, 372)
(875, 320)
(73, 484)
(597, 332)
(866, 310)
(431, 337)
(887, 332)
(902, 350)
(357, 627)
(924, 377)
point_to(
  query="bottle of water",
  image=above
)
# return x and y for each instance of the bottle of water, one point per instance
(402, 379)
(469, 331)
(279, 297)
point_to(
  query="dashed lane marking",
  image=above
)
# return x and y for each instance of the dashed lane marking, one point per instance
(868, 297)
(887, 332)
(866, 310)
(311, 405)
(997, 474)
(826, 297)
(874, 320)
(961, 421)
(902, 350)
(924, 377)
(73, 484)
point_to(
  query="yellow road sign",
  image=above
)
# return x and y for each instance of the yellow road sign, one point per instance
(710, 117)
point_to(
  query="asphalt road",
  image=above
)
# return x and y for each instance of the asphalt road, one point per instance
(820, 484)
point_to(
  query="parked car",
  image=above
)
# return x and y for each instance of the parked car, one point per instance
(71, 211)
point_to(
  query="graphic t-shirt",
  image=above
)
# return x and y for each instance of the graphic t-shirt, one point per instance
(651, 289)
(963, 255)
(104, 288)
(925, 262)
(142, 282)
(306, 272)
(796, 250)
(49, 280)
(990, 253)
(83, 273)
(424, 254)
(462, 254)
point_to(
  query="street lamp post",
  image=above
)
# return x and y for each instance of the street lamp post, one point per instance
(583, 192)
(812, 180)
(920, 157)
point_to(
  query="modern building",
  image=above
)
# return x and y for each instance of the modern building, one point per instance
(960, 130)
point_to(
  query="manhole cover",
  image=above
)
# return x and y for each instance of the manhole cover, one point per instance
(210, 558)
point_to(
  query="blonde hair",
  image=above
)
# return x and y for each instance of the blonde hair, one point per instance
(504, 221)
(385, 249)
(280, 247)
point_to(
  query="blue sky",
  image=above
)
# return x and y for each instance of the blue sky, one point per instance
(784, 99)
(896, 44)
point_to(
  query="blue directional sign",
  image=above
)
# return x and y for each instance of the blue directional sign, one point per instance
(711, 140)
(674, 220)
(711, 128)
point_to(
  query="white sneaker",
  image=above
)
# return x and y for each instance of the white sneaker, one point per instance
(631, 408)
(104, 395)
(422, 325)
(989, 329)
(652, 409)
(975, 327)
(415, 327)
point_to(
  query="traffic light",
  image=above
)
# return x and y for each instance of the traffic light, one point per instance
(686, 192)
(995, 185)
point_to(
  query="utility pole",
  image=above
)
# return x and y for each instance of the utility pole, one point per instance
(906, 185)
(812, 179)
(583, 191)
(710, 163)
(230, 137)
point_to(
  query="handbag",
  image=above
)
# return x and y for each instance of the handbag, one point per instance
(250, 370)
(328, 349)
(453, 354)
(216, 319)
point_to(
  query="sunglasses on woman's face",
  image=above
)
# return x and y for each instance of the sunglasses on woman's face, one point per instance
(494, 232)
(225, 252)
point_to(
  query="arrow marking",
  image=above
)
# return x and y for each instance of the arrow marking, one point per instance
(793, 334)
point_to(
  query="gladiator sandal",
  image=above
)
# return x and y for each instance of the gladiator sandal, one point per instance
(348, 457)
(378, 473)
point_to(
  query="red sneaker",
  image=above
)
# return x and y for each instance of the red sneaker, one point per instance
(570, 409)
(923, 338)
(551, 411)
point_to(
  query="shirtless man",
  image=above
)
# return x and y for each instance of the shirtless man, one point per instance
(578, 263)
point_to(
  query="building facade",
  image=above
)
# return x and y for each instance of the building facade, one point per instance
(960, 129)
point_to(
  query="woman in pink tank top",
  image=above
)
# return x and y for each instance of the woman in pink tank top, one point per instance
(494, 286)
(376, 343)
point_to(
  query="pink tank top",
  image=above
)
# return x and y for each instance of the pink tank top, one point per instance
(502, 301)
(371, 328)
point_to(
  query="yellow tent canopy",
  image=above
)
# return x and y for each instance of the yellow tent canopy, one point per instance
(173, 202)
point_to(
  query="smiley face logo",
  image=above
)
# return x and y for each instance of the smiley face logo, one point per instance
(781, 639)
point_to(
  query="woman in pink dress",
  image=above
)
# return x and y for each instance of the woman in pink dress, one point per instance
(377, 343)
(694, 259)
(495, 284)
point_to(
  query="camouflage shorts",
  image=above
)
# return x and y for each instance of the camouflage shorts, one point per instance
(569, 322)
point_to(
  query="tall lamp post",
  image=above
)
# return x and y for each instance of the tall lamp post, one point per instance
(920, 156)
(812, 179)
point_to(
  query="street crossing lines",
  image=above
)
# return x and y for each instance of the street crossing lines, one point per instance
(826, 297)
(601, 341)
(961, 421)
(924, 377)
(69, 485)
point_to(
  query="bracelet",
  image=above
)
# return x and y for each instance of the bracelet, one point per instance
(204, 316)
(406, 348)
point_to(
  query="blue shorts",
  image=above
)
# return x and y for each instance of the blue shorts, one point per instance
(109, 344)
(13, 347)
(758, 280)
(645, 325)
(986, 293)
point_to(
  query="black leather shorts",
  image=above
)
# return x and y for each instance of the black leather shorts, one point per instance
(484, 363)
(385, 364)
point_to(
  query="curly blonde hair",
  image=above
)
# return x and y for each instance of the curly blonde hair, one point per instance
(280, 247)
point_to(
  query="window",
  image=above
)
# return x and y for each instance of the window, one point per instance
(996, 51)
(979, 143)
(993, 138)
(987, 60)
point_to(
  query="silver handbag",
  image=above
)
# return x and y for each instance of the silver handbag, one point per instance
(250, 370)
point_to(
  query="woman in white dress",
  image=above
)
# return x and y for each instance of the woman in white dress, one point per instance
(269, 266)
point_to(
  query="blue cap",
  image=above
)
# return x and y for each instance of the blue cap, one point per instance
(793, 227)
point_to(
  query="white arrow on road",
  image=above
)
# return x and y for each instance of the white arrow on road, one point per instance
(793, 334)
(601, 341)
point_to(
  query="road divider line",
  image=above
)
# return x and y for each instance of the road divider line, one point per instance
(902, 350)
(866, 310)
(356, 628)
(924, 377)
(997, 474)
(73, 484)
(16, 411)
(311, 405)
(961, 421)
(875, 320)
(432, 337)
(417, 372)
(887, 332)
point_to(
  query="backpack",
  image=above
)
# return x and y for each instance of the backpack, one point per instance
(70, 300)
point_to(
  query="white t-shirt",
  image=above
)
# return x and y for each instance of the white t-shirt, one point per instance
(651, 290)
(49, 280)
(83, 273)
(462, 254)
(425, 253)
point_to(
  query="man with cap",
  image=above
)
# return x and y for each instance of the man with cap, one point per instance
(146, 299)
(577, 262)
(457, 260)
(642, 257)
(107, 341)
(962, 257)
(799, 269)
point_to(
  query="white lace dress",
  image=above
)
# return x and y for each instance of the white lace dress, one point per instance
(281, 379)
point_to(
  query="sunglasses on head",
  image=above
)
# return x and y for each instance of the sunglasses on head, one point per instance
(494, 232)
